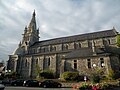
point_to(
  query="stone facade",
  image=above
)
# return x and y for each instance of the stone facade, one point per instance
(82, 53)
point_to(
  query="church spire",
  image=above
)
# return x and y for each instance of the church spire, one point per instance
(34, 13)
(33, 21)
(31, 33)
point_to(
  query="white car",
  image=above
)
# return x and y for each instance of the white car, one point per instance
(2, 87)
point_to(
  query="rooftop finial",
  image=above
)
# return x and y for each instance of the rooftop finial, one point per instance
(34, 13)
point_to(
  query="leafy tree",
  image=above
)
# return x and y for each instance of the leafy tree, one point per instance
(113, 74)
(96, 75)
(118, 40)
(37, 71)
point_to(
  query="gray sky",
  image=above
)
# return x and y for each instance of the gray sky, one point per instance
(55, 18)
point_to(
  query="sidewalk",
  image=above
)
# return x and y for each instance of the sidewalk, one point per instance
(69, 85)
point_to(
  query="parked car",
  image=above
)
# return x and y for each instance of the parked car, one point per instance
(2, 87)
(50, 83)
(31, 83)
(0, 81)
(6, 82)
(18, 82)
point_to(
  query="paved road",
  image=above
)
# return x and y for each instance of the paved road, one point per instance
(32, 88)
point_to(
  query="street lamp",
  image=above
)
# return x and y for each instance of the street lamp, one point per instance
(7, 71)
(102, 64)
(94, 65)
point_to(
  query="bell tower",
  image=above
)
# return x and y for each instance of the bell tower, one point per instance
(31, 33)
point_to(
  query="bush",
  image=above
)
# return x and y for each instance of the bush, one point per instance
(95, 78)
(81, 78)
(118, 40)
(105, 86)
(113, 74)
(70, 76)
(47, 74)
(85, 86)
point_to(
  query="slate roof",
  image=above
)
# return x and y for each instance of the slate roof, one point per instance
(86, 52)
(87, 36)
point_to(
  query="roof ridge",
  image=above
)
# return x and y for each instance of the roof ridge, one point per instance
(79, 37)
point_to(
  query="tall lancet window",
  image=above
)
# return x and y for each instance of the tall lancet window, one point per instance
(37, 61)
(75, 64)
(49, 61)
(88, 63)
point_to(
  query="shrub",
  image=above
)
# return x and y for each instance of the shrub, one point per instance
(48, 74)
(70, 76)
(118, 40)
(105, 86)
(81, 78)
(95, 78)
(111, 74)
(85, 86)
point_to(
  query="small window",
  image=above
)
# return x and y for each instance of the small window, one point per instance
(53, 48)
(26, 63)
(42, 49)
(48, 61)
(34, 51)
(113, 41)
(75, 64)
(65, 47)
(26, 43)
(77, 45)
(36, 61)
(88, 63)
(38, 50)
(108, 41)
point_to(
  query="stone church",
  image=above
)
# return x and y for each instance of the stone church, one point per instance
(80, 53)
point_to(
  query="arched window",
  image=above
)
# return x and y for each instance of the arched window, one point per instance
(49, 61)
(38, 49)
(77, 45)
(46, 49)
(37, 61)
(53, 48)
(26, 43)
(65, 46)
(33, 50)
(108, 41)
(42, 49)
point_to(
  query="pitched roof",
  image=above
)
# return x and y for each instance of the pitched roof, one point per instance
(85, 52)
(87, 36)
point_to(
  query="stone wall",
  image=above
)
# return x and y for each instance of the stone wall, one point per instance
(82, 66)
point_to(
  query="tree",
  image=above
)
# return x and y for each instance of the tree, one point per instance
(118, 40)
(113, 74)
(37, 71)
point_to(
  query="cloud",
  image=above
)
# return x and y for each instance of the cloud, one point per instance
(56, 18)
